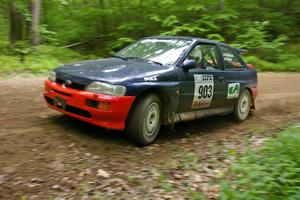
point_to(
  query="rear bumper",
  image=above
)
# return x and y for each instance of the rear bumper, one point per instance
(77, 106)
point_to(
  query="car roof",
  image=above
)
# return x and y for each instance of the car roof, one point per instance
(196, 39)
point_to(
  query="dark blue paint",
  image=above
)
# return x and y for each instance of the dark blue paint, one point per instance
(136, 76)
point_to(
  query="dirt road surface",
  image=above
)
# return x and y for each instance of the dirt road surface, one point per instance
(46, 155)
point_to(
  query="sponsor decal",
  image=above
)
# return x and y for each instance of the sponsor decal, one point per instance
(150, 78)
(233, 90)
(204, 90)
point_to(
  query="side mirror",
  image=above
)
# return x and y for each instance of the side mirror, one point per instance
(188, 64)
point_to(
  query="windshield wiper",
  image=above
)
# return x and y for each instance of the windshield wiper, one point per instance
(116, 56)
(145, 59)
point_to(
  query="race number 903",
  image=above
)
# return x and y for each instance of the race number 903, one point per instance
(205, 91)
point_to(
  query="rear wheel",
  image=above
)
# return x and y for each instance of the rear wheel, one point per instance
(242, 106)
(144, 121)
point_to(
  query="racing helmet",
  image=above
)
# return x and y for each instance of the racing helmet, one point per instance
(196, 54)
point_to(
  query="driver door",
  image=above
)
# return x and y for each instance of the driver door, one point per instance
(203, 86)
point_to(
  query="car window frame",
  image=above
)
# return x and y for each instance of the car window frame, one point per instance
(218, 54)
(244, 66)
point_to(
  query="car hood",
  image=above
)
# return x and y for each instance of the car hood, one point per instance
(112, 70)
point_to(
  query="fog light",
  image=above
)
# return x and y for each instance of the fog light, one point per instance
(104, 105)
(92, 103)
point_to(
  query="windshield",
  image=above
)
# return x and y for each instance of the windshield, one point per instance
(164, 51)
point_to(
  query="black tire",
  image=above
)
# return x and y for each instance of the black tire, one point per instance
(242, 106)
(144, 121)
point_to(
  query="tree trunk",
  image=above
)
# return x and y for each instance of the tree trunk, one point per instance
(142, 18)
(261, 3)
(221, 4)
(45, 12)
(289, 6)
(35, 24)
(103, 19)
(27, 23)
(15, 23)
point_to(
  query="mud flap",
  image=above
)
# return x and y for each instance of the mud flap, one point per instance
(171, 125)
(253, 104)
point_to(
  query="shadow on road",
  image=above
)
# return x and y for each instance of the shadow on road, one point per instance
(119, 138)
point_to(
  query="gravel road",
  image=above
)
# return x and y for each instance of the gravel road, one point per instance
(46, 155)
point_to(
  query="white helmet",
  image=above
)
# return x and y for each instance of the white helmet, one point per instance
(196, 54)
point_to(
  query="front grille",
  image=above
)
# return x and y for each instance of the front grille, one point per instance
(71, 109)
(49, 100)
(63, 93)
(78, 111)
(76, 86)
(60, 81)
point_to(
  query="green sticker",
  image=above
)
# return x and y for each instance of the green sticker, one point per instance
(233, 90)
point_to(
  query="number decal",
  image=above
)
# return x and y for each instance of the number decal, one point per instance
(204, 91)
(200, 92)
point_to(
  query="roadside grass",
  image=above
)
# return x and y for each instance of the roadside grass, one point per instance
(269, 172)
(40, 61)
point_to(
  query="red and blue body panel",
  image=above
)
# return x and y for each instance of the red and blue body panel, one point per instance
(175, 86)
(79, 106)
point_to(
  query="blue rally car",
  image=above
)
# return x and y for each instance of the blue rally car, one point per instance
(155, 81)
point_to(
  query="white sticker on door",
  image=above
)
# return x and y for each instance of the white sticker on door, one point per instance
(204, 90)
(233, 90)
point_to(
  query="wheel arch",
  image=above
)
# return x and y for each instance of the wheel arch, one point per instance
(165, 101)
(252, 98)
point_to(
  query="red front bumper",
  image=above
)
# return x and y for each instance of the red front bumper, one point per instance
(77, 107)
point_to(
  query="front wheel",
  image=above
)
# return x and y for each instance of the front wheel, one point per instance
(144, 121)
(242, 106)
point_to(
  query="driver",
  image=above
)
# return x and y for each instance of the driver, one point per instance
(196, 54)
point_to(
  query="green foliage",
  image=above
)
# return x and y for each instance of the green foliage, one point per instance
(287, 62)
(104, 26)
(121, 42)
(164, 184)
(216, 37)
(41, 60)
(270, 172)
(24, 198)
(255, 38)
(47, 36)
(4, 47)
(21, 48)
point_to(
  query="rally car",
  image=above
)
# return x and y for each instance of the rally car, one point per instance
(155, 81)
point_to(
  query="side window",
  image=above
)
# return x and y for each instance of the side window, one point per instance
(231, 61)
(205, 56)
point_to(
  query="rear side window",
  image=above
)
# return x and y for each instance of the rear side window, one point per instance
(231, 61)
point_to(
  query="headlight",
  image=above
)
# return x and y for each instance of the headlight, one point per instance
(52, 76)
(106, 88)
